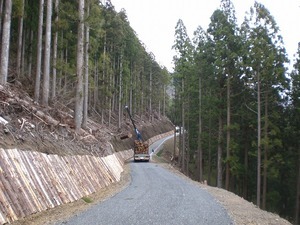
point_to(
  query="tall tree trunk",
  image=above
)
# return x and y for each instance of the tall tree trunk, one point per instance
(86, 80)
(79, 67)
(183, 131)
(150, 95)
(175, 144)
(258, 142)
(209, 142)
(54, 71)
(266, 149)
(23, 61)
(39, 53)
(20, 39)
(96, 83)
(30, 54)
(61, 72)
(164, 106)
(5, 42)
(47, 49)
(110, 99)
(175, 131)
(200, 150)
(103, 95)
(219, 162)
(227, 179)
(131, 88)
(1, 15)
(65, 73)
(246, 156)
(120, 92)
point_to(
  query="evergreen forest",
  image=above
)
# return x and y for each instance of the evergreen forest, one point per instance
(234, 98)
(238, 106)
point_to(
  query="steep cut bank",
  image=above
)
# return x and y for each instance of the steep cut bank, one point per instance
(28, 126)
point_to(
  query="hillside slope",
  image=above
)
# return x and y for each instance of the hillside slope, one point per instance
(28, 126)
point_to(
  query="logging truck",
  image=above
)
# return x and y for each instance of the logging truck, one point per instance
(141, 149)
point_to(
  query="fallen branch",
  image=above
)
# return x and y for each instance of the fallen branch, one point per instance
(22, 123)
(25, 104)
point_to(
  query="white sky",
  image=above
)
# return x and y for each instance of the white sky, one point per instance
(154, 21)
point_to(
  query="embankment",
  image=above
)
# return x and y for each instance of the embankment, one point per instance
(32, 182)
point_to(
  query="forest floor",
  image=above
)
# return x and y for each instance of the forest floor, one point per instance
(28, 126)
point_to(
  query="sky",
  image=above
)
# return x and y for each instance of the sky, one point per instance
(154, 21)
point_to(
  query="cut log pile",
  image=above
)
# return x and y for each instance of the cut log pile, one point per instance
(140, 147)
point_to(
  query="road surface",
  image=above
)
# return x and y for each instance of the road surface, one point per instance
(155, 196)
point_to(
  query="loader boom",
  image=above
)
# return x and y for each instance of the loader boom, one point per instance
(141, 149)
(137, 133)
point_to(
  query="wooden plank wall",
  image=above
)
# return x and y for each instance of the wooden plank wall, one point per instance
(31, 182)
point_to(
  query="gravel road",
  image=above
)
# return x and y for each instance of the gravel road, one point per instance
(155, 196)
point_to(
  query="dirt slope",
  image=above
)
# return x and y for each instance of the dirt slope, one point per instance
(28, 126)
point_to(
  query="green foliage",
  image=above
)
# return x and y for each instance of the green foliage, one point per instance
(226, 53)
(87, 199)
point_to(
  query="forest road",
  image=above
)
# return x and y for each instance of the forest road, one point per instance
(155, 196)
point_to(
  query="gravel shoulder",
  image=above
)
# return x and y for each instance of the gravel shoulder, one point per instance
(241, 211)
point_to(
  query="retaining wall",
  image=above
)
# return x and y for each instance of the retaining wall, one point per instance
(31, 182)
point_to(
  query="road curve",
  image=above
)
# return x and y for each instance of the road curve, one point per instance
(155, 196)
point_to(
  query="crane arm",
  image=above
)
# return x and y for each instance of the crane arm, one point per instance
(138, 134)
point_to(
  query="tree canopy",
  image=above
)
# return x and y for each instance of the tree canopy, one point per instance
(236, 102)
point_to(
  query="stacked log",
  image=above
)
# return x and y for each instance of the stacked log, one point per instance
(140, 147)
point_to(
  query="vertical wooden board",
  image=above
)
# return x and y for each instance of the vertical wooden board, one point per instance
(76, 189)
(51, 178)
(41, 176)
(106, 173)
(23, 194)
(3, 219)
(62, 172)
(9, 180)
(106, 176)
(68, 178)
(71, 191)
(85, 171)
(93, 168)
(100, 173)
(30, 184)
(6, 206)
(41, 196)
(114, 166)
(81, 179)
(16, 185)
(110, 169)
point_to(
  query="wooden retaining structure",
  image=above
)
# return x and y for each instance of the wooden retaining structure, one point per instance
(32, 182)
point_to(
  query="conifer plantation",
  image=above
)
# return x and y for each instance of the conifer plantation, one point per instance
(234, 97)
(238, 106)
